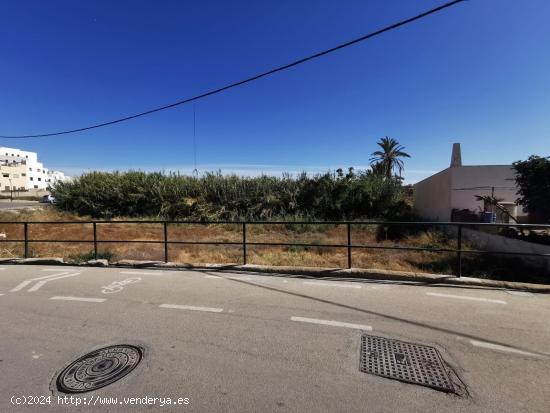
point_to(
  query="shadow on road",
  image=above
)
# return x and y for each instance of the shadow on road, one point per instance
(382, 315)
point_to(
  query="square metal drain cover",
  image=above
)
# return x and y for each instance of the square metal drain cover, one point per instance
(399, 360)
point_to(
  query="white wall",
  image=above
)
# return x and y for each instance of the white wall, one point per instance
(502, 177)
(436, 196)
(12, 176)
(432, 197)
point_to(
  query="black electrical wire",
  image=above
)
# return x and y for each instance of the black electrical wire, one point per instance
(248, 80)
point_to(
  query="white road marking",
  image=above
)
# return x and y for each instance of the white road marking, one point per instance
(213, 276)
(192, 308)
(40, 284)
(331, 285)
(117, 286)
(465, 297)
(521, 293)
(52, 269)
(498, 347)
(27, 282)
(142, 272)
(1, 294)
(86, 299)
(1, 269)
(332, 323)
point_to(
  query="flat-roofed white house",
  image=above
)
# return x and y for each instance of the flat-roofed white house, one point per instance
(21, 170)
(456, 187)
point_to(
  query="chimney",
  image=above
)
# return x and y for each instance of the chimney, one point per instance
(456, 157)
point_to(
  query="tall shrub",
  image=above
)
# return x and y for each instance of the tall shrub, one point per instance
(329, 196)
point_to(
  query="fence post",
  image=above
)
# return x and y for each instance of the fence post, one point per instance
(459, 253)
(244, 243)
(95, 240)
(349, 245)
(165, 242)
(26, 234)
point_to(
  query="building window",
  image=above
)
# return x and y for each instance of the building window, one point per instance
(30, 169)
(27, 156)
(39, 179)
(23, 174)
(36, 187)
(32, 178)
(6, 175)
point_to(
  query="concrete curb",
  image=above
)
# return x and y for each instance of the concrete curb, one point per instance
(360, 273)
(375, 274)
(34, 261)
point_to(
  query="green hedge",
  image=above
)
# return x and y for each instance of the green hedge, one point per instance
(330, 196)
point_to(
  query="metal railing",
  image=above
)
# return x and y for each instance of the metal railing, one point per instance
(349, 246)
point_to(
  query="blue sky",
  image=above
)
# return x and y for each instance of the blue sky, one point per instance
(477, 73)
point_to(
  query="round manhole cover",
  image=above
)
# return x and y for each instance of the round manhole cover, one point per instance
(99, 368)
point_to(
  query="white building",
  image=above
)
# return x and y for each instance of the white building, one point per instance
(457, 186)
(22, 170)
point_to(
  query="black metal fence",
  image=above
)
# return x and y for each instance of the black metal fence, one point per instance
(453, 228)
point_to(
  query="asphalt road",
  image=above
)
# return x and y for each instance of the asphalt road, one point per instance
(16, 204)
(245, 342)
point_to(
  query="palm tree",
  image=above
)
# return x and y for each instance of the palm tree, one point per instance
(388, 159)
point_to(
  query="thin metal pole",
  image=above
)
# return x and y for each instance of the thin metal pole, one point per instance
(244, 243)
(95, 241)
(165, 242)
(26, 233)
(459, 253)
(349, 245)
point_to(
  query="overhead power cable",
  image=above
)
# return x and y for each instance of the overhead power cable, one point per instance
(247, 80)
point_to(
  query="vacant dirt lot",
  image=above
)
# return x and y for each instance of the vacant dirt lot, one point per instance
(50, 233)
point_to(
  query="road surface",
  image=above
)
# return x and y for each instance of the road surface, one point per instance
(231, 342)
(16, 204)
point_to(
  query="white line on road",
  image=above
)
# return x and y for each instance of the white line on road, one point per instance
(331, 285)
(87, 299)
(27, 282)
(465, 297)
(192, 308)
(52, 269)
(332, 323)
(1, 294)
(40, 284)
(142, 272)
(491, 346)
(213, 277)
(1, 269)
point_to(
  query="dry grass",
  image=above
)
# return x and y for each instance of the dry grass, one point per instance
(422, 261)
(296, 256)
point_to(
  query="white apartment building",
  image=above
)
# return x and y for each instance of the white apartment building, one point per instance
(21, 170)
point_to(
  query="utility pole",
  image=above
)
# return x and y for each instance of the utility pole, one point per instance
(11, 190)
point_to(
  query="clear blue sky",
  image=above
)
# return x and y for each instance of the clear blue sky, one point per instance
(477, 73)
